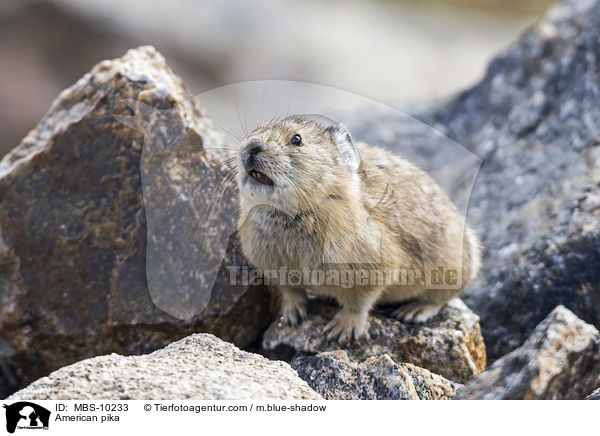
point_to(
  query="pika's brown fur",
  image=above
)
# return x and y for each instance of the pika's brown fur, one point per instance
(328, 204)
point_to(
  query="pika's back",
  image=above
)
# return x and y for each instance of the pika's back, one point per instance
(393, 187)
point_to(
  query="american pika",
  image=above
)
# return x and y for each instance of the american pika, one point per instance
(313, 200)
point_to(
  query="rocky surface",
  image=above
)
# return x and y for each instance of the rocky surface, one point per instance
(333, 375)
(450, 344)
(76, 231)
(534, 121)
(199, 367)
(560, 360)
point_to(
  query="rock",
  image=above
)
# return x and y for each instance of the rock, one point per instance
(450, 344)
(560, 360)
(77, 235)
(594, 395)
(199, 367)
(535, 203)
(333, 375)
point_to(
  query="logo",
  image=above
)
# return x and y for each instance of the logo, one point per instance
(26, 415)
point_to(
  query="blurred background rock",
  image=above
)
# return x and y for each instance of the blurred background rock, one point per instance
(400, 51)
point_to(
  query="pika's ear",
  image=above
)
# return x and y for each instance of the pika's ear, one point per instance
(346, 147)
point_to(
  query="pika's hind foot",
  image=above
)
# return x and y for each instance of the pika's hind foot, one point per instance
(416, 312)
(347, 326)
(293, 306)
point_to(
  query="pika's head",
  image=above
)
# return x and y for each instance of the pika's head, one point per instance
(296, 163)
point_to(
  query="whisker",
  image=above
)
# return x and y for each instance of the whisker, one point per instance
(217, 195)
(237, 109)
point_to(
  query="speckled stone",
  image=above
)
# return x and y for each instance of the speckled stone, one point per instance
(199, 367)
(450, 344)
(560, 360)
(333, 375)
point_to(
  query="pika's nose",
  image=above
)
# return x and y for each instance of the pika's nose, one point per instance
(254, 147)
(250, 150)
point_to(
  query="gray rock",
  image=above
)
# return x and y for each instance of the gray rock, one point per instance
(594, 395)
(77, 235)
(450, 344)
(336, 377)
(535, 122)
(199, 367)
(560, 360)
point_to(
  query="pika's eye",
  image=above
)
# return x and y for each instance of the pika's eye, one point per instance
(296, 140)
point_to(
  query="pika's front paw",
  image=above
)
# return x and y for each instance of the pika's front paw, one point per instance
(416, 312)
(346, 327)
(293, 307)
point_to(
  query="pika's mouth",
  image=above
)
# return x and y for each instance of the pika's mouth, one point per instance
(260, 177)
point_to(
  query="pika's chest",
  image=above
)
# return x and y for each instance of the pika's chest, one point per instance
(272, 239)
